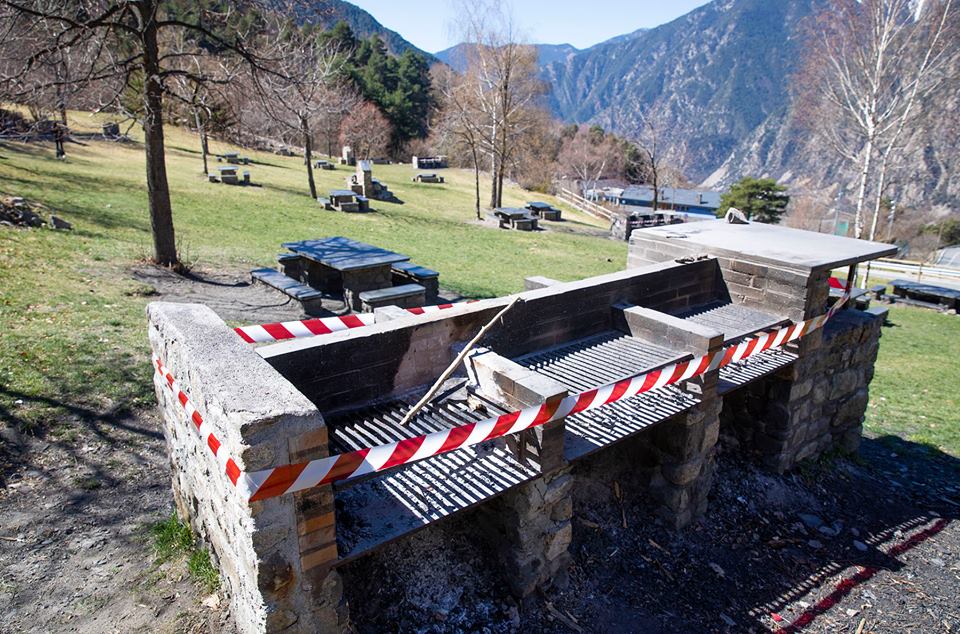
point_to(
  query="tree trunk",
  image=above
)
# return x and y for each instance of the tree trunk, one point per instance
(476, 179)
(862, 191)
(656, 188)
(158, 194)
(493, 180)
(202, 131)
(881, 184)
(503, 168)
(308, 155)
(500, 173)
(58, 141)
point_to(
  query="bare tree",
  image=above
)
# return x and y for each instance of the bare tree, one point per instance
(333, 114)
(590, 155)
(201, 98)
(124, 42)
(868, 64)
(305, 83)
(458, 119)
(367, 131)
(648, 134)
(502, 74)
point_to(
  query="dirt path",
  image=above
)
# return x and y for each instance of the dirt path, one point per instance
(75, 549)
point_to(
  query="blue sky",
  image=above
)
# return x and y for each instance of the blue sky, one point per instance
(429, 25)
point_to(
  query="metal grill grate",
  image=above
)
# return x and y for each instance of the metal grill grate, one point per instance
(379, 424)
(383, 507)
(736, 321)
(599, 360)
(733, 320)
(739, 374)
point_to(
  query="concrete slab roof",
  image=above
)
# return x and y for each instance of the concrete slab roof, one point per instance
(774, 244)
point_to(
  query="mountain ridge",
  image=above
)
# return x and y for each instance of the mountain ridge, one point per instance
(327, 13)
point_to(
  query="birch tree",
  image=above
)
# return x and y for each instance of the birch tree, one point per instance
(869, 62)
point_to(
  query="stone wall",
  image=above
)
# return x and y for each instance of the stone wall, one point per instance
(790, 417)
(274, 556)
(787, 426)
(353, 367)
(793, 293)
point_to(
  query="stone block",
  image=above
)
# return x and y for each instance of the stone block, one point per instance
(682, 473)
(844, 383)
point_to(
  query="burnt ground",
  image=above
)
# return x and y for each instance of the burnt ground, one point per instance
(840, 542)
(870, 543)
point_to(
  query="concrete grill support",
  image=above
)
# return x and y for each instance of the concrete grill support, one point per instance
(274, 556)
(782, 271)
(530, 525)
(683, 447)
(279, 558)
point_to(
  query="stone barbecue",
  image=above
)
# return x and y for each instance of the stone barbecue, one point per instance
(684, 293)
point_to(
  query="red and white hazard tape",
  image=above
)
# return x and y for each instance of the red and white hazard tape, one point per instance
(268, 483)
(226, 462)
(322, 326)
(297, 477)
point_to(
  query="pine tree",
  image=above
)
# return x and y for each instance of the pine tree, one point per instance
(760, 199)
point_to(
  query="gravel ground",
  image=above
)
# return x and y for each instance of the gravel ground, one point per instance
(865, 545)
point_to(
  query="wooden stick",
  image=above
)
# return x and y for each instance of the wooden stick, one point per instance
(453, 366)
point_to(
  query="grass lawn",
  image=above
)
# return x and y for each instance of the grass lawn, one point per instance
(915, 392)
(72, 335)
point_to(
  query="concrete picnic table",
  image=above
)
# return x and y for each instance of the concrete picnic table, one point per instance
(522, 219)
(949, 298)
(348, 266)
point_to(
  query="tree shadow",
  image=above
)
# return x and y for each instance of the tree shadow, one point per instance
(787, 547)
(24, 438)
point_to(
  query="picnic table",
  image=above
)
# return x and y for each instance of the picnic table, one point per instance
(233, 157)
(339, 264)
(346, 200)
(948, 298)
(521, 219)
(544, 210)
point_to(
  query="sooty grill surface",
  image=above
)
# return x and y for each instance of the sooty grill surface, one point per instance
(381, 508)
(603, 359)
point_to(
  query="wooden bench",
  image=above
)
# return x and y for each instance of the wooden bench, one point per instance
(309, 297)
(404, 296)
(927, 294)
(408, 272)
